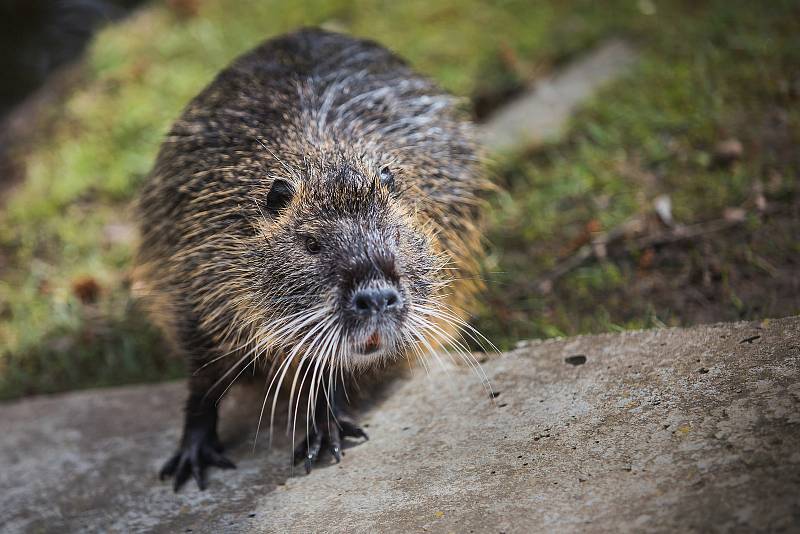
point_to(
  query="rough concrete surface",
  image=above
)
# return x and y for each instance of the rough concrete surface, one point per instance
(542, 113)
(663, 430)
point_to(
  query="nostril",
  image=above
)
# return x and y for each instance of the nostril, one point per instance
(362, 301)
(392, 298)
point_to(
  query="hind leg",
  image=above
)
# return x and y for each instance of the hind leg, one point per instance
(331, 424)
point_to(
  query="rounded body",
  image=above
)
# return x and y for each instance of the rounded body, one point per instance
(317, 204)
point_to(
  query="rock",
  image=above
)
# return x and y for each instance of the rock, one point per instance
(669, 430)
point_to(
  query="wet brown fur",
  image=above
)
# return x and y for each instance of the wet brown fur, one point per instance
(328, 115)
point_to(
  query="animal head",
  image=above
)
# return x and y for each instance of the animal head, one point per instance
(348, 266)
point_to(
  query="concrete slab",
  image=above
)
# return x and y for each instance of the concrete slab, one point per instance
(662, 430)
(543, 112)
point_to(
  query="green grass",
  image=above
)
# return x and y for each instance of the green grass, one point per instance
(707, 73)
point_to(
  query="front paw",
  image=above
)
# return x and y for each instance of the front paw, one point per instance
(327, 433)
(198, 450)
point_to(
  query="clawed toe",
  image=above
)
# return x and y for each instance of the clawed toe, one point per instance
(192, 460)
(329, 435)
(352, 430)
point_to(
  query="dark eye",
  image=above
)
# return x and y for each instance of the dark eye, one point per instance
(312, 245)
(387, 178)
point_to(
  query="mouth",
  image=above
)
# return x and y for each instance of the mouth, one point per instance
(372, 345)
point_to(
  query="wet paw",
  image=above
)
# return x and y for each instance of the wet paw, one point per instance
(195, 454)
(327, 434)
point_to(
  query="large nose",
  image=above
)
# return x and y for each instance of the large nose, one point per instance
(374, 301)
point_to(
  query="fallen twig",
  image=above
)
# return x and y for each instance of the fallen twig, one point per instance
(600, 244)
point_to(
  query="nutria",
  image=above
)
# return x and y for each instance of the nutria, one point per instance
(314, 213)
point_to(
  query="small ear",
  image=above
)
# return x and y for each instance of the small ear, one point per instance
(387, 178)
(279, 196)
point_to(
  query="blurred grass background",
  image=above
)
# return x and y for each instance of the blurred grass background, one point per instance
(710, 72)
